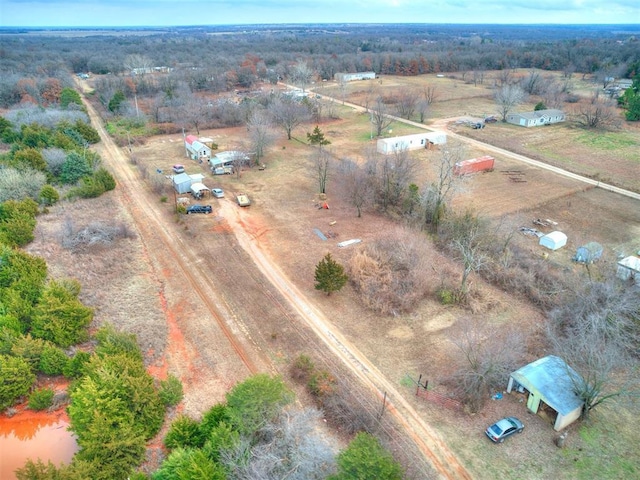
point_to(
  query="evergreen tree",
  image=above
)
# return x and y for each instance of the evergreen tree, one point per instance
(330, 276)
(317, 138)
(365, 459)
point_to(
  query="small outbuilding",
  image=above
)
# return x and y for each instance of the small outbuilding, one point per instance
(549, 385)
(198, 190)
(182, 182)
(553, 240)
(589, 253)
(629, 268)
(351, 77)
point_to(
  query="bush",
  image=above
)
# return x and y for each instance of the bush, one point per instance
(16, 379)
(103, 177)
(184, 432)
(53, 360)
(75, 366)
(171, 392)
(392, 274)
(302, 368)
(49, 195)
(41, 399)
(322, 384)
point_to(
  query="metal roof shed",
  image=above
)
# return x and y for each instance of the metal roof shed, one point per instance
(554, 240)
(182, 182)
(549, 381)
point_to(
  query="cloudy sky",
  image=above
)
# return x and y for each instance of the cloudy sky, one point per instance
(225, 12)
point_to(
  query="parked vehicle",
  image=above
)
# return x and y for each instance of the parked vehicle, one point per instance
(504, 428)
(178, 168)
(228, 170)
(243, 200)
(217, 192)
(199, 209)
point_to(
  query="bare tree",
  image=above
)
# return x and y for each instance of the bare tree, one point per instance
(406, 103)
(478, 77)
(291, 447)
(598, 113)
(322, 166)
(430, 94)
(532, 83)
(138, 64)
(288, 114)
(261, 133)
(507, 98)
(380, 116)
(194, 112)
(440, 192)
(356, 182)
(597, 334)
(469, 239)
(487, 356)
(390, 176)
(301, 74)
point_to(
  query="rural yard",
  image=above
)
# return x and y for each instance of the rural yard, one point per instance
(215, 298)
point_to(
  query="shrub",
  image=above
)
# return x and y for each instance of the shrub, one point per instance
(74, 168)
(53, 360)
(75, 366)
(322, 384)
(103, 177)
(20, 184)
(184, 432)
(49, 195)
(171, 392)
(16, 379)
(41, 399)
(302, 368)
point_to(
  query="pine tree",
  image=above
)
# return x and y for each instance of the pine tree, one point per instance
(330, 276)
(317, 138)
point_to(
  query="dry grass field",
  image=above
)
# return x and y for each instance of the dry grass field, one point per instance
(124, 286)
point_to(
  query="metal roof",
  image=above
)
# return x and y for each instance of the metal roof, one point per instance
(550, 377)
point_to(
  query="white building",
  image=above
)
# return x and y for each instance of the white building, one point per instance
(416, 141)
(536, 118)
(196, 149)
(351, 77)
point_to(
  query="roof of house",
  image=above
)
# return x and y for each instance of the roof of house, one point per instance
(551, 378)
(631, 262)
(551, 112)
(190, 139)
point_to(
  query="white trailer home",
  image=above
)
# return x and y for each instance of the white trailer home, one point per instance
(351, 77)
(416, 141)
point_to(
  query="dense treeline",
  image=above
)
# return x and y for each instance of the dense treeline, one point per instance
(208, 60)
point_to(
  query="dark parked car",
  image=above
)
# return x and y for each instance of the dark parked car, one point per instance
(504, 428)
(198, 209)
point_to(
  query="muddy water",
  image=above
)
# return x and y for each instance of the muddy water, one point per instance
(34, 435)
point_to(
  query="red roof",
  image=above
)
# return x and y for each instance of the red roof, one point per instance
(190, 139)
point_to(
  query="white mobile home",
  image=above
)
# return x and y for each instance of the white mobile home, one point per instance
(351, 77)
(416, 141)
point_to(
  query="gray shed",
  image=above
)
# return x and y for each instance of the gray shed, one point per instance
(549, 384)
(182, 182)
(589, 253)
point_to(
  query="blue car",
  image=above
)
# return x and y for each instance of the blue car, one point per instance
(504, 428)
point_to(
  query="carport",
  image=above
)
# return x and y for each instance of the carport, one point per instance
(549, 386)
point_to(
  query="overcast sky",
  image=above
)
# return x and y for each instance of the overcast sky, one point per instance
(213, 12)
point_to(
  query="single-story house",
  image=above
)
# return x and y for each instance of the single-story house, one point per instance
(351, 77)
(549, 383)
(227, 158)
(411, 142)
(536, 118)
(629, 267)
(553, 240)
(196, 149)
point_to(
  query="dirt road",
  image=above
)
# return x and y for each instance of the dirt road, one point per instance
(234, 291)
